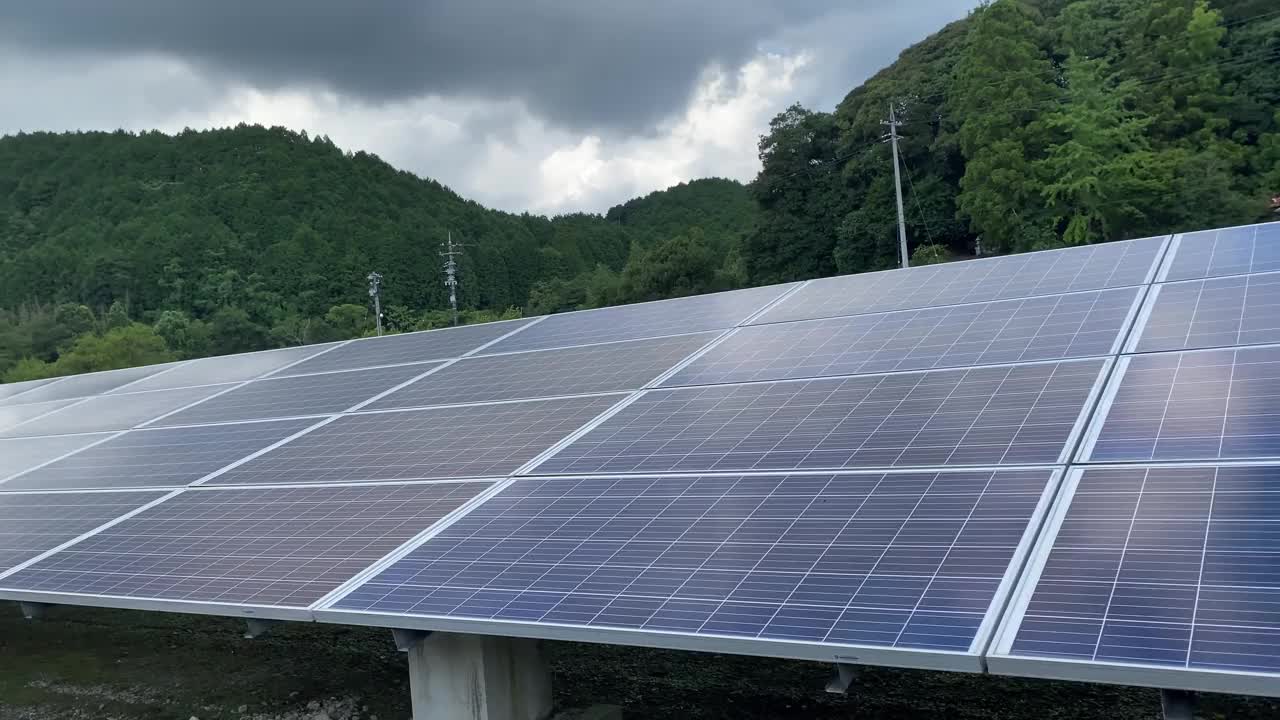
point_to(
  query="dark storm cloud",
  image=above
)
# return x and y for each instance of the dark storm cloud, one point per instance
(618, 64)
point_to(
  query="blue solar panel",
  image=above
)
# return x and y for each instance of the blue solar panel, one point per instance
(1174, 567)
(1041, 328)
(996, 415)
(1219, 312)
(1091, 267)
(902, 560)
(1230, 251)
(1197, 405)
(643, 320)
(10, 392)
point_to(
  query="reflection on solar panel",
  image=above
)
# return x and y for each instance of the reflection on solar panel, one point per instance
(280, 546)
(1231, 251)
(981, 416)
(157, 458)
(1043, 328)
(632, 322)
(1241, 310)
(1206, 405)
(225, 369)
(111, 412)
(12, 416)
(905, 560)
(296, 396)
(1092, 267)
(77, 386)
(9, 392)
(31, 524)
(1167, 566)
(407, 348)
(573, 371)
(467, 441)
(21, 455)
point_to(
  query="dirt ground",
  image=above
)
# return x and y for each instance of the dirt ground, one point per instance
(84, 664)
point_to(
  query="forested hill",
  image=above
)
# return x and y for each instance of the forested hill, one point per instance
(1034, 124)
(238, 239)
(1031, 124)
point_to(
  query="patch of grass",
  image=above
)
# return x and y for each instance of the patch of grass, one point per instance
(85, 663)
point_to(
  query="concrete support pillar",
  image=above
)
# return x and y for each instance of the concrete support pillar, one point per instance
(475, 677)
(1178, 704)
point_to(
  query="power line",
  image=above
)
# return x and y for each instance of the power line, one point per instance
(916, 196)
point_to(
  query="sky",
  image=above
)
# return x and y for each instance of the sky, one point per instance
(547, 106)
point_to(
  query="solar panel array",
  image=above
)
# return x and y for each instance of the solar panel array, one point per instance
(1050, 464)
(1159, 563)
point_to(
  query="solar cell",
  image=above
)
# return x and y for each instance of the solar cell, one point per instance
(903, 560)
(77, 386)
(1229, 251)
(407, 348)
(700, 313)
(1240, 310)
(21, 455)
(1195, 405)
(1173, 567)
(1091, 267)
(9, 392)
(572, 371)
(284, 547)
(450, 442)
(155, 458)
(1042, 328)
(1017, 414)
(296, 396)
(34, 523)
(226, 368)
(110, 412)
(13, 416)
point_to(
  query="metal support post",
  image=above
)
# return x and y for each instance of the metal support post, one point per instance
(32, 610)
(1178, 704)
(257, 627)
(842, 679)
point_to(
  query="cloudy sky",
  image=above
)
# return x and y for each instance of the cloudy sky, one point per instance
(544, 105)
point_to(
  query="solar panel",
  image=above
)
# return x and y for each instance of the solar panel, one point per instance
(1174, 568)
(572, 371)
(156, 458)
(1042, 328)
(643, 320)
(21, 455)
(277, 547)
(110, 412)
(77, 386)
(1240, 310)
(296, 396)
(450, 442)
(226, 368)
(12, 416)
(34, 523)
(9, 392)
(1196, 405)
(1229, 251)
(407, 348)
(1016, 414)
(1091, 267)
(889, 560)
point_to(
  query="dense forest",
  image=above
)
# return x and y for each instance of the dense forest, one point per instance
(1030, 124)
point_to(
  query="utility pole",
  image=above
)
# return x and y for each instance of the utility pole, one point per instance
(375, 292)
(897, 183)
(451, 250)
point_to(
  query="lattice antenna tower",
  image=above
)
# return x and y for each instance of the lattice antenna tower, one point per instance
(375, 292)
(450, 253)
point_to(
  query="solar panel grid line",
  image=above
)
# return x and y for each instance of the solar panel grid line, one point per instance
(14, 476)
(413, 543)
(224, 391)
(54, 550)
(1162, 274)
(125, 387)
(1102, 409)
(285, 368)
(603, 343)
(768, 307)
(533, 463)
(253, 456)
(480, 350)
(429, 371)
(1139, 325)
(1004, 658)
(15, 399)
(1197, 314)
(1225, 252)
(49, 407)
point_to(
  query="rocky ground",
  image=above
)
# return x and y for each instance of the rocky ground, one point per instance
(83, 664)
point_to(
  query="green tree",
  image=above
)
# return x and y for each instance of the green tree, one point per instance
(120, 347)
(350, 320)
(930, 255)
